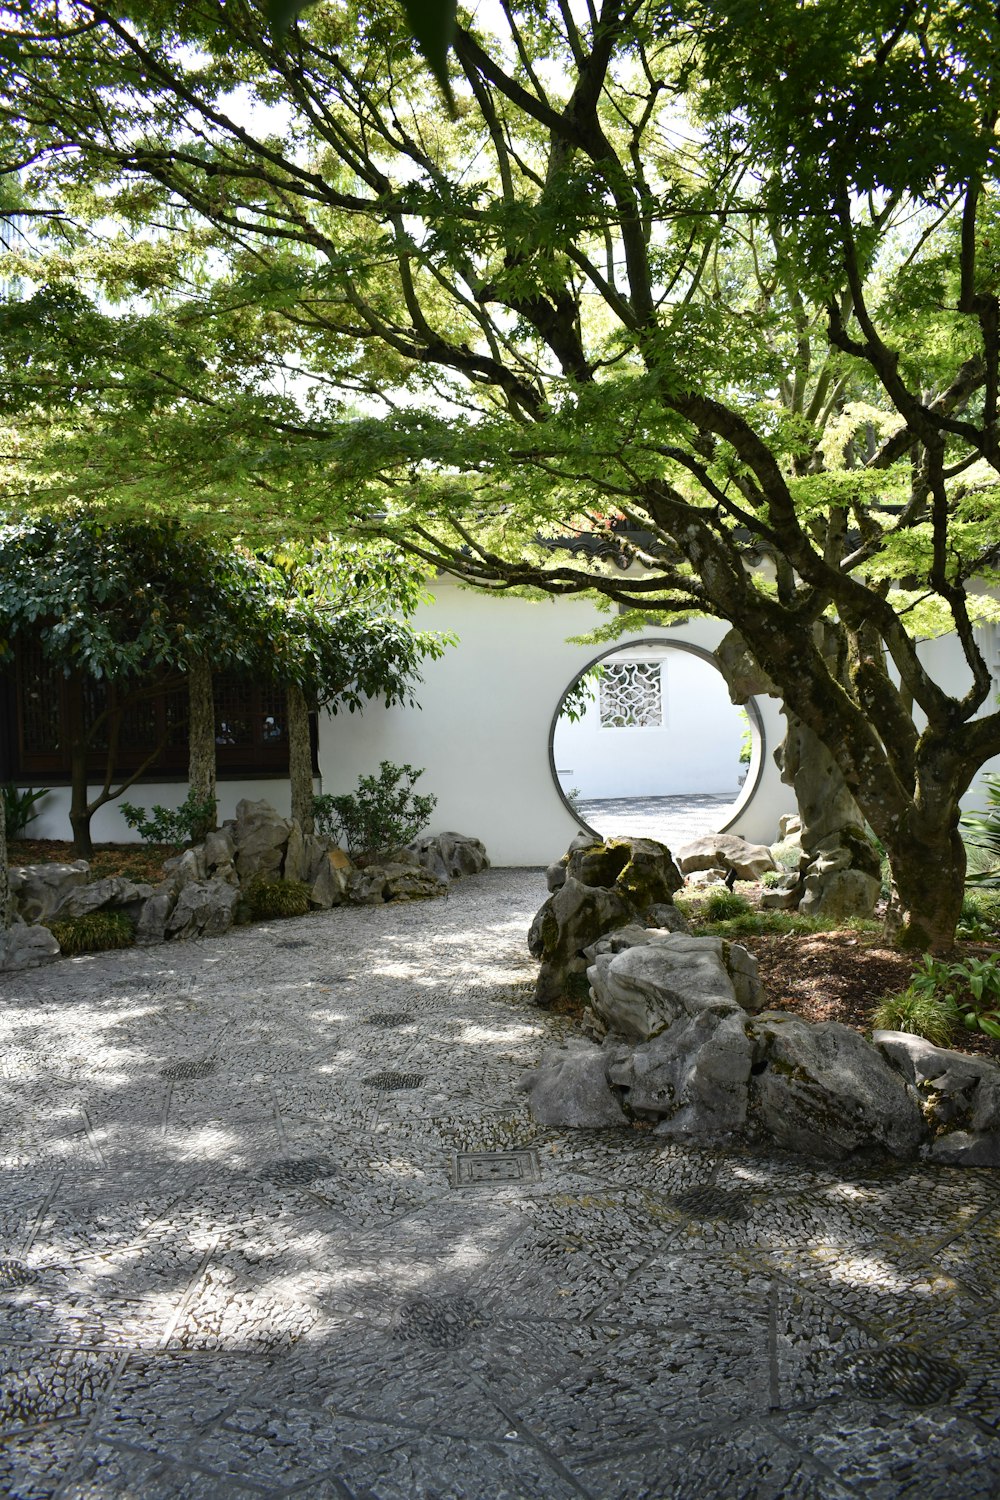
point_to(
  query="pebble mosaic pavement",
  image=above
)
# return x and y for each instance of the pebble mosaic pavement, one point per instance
(276, 1222)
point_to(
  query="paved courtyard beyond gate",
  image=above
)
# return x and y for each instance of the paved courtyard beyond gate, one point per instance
(275, 1222)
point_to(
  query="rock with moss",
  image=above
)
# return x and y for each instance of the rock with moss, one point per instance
(691, 1079)
(570, 920)
(959, 1097)
(823, 1090)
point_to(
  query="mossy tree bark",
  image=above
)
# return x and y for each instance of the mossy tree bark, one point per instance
(201, 729)
(300, 758)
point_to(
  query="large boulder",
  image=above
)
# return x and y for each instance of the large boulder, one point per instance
(330, 881)
(261, 836)
(203, 909)
(112, 893)
(570, 920)
(450, 855)
(642, 870)
(396, 880)
(641, 991)
(959, 1096)
(725, 851)
(25, 947)
(151, 927)
(825, 1091)
(570, 1088)
(38, 890)
(691, 1078)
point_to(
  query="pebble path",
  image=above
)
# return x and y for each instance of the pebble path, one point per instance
(275, 1221)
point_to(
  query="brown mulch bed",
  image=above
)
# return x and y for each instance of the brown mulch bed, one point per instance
(138, 862)
(841, 976)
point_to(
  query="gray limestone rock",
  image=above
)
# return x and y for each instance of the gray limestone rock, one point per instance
(114, 892)
(743, 971)
(572, 918)
(641, 991)
(825, 1091)
(260, 836)
(450, 855)
(393, 881)
(956, 1091)
(38, 890)
(151, 926)
(692, 1078)
(965, 1148)
(218, 849)
(187, 866)
(203, 909)
(569, 1088)
(667, 917)
(331, 879)
(725, 851)
(296, 864)
(24, 946)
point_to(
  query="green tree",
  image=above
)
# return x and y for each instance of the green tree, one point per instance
(127, 607)
(734, 284)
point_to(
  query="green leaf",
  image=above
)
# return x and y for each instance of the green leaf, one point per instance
(281, 13)
(433, 25)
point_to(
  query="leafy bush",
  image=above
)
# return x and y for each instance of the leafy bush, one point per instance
(269, 900)
(928, 1015)
(980, 913)
(981, 832)
(17, 807)
(382, 814)
(972, 985)
(93, 932)
(187, 824)
(723, 905)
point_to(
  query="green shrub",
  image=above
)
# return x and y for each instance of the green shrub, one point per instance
(187, 824)
(723, 905)
(17, 807)
(980, 913)
(382, 814)
(981, 832)
(93, 932)
(787, 855)
(268, 900)
(932, 1016)
(971, 986)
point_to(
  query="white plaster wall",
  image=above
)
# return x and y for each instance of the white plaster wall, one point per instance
(695, 749)
(108, 826)
(482, 730)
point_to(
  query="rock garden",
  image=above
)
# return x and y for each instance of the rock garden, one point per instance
(257, 866)
(682, 1033)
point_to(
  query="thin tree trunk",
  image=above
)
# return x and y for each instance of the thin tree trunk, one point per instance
(5, 911)
(201, 730)
(300, 758)
(79, 810)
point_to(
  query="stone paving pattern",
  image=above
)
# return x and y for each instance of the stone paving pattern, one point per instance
(276, 1222)
(672, 820)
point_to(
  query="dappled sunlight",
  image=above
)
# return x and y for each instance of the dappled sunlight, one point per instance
(292, 1190)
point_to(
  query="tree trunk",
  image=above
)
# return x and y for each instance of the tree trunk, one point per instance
(79, 811)
(5, 911)
(201, 730)
(928, 867)
(300, 758)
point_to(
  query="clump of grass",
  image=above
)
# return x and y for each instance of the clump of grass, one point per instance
(787, 856)
(268, 900)
(934, 1017)
(94, 932)
(722, 906)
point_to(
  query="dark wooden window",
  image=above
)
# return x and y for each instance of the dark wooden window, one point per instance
(251, 726)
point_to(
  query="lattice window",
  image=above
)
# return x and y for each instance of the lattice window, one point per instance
(631, 695)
